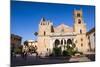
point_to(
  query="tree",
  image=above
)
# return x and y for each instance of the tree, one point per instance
(69, 49)
(57, 51)
(36, 33)
(26, 43)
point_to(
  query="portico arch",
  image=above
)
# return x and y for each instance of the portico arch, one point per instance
(63, 42)
(57, 42)
(69, 41)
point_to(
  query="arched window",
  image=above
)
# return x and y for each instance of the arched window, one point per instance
(52, 29)
(78, 15)
(44, 33)
(79, 21)
(81, 39)
(43, 23)
(80, 31)
(81, 44)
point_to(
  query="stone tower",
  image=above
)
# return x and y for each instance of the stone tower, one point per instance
(80, 30)
(44, 36)
(45, 27)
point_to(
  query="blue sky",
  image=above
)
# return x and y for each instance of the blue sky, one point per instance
(25, 16)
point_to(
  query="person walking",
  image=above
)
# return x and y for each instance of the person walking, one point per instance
(24, 52)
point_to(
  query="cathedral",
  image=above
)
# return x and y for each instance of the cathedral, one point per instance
(62, 35)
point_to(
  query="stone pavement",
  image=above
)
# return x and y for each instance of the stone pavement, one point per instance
(79, 59)
(31, 60)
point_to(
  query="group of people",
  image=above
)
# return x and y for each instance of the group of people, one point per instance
(26, 51)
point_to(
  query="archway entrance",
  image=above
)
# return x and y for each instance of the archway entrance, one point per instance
(69, 41)
(63, 42)
(57, 48)
(57, 42)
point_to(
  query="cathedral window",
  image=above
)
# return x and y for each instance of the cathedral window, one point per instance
(79, 21)
(52, 29)
(44, 33)
(43, 23)
(81, 44)
(80, 31)
(81, 39)
(78, 15)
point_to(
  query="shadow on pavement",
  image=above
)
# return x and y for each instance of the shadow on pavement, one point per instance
(91, 57)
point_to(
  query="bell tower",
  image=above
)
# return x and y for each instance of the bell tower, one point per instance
(44, 27)
(79, 25)
(44, 36)
(80, 30)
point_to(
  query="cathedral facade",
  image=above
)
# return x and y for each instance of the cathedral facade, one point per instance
(62, 35)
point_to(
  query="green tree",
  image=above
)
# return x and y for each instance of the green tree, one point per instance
(36, 33)
(70, 50)
(57, 51)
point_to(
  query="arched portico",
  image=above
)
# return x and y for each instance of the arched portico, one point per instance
(57, 42)
(62, 44)
(69, 41)
(61, 41)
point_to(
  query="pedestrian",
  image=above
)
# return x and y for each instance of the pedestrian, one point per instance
(25, 55)
(37, 55)
(24, 52)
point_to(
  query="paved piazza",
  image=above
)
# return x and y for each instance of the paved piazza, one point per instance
(31, 60)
